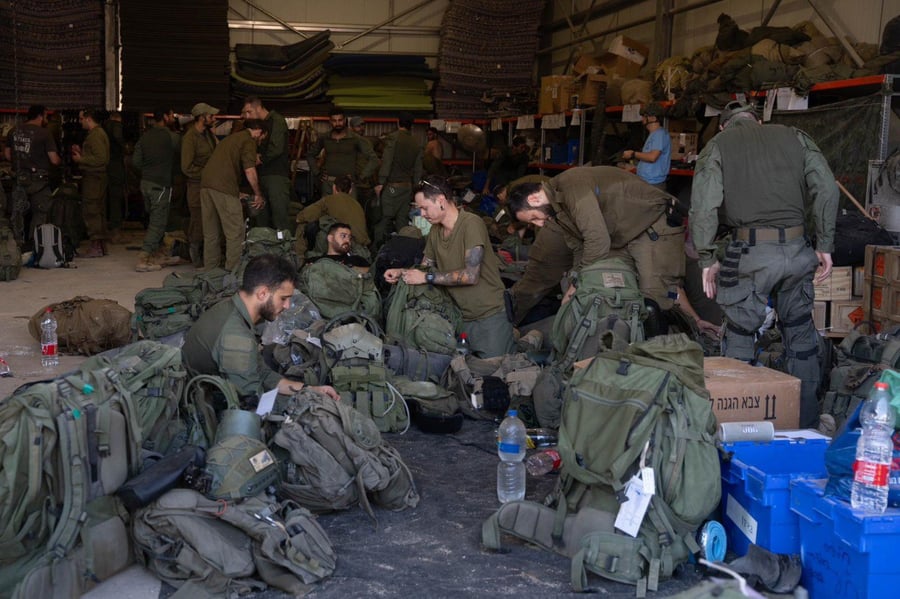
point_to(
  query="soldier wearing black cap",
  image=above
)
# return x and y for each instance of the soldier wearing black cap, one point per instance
(655, 158)
(401, 168)
(762, 178)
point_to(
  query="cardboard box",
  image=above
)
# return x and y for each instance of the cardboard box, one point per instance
(845, 315)
(586, 63)
(683, 144)
(593, 87)
(617, 65)
(682, 125)
(837, 287)
(629, 49)
(820, 315)
(556, 93)
(743, 393)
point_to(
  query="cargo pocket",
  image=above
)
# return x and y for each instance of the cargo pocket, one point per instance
(743, 307)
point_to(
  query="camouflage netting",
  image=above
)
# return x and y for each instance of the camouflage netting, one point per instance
(848, 133)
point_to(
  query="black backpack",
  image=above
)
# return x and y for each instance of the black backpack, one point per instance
(65, 213)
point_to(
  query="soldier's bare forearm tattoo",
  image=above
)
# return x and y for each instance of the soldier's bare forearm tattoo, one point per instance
(465, 276)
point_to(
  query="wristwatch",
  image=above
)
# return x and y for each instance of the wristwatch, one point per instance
(429, 278)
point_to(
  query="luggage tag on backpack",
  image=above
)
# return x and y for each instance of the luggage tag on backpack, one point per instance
(638, 492)
(632, 511)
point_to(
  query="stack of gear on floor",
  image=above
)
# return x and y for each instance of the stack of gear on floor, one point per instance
(172, 452)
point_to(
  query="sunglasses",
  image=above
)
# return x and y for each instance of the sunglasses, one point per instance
(423, 184)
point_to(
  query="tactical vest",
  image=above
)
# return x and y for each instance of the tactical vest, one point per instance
(763, 174)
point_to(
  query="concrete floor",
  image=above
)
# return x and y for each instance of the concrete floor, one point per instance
(111, 277)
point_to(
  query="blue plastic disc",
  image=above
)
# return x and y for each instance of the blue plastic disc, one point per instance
(713, 541)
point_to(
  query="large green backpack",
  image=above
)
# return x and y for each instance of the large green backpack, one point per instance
(335, 458)
(354, 361)
(172, 308)
(336, 288)
(204, 289)
(422, 316)
(263, 240)
(860, 361)
(162, 311)
(605, 288)
(10, 253)
(644, 407)
(155, 377)
(63, 445)
(231, 547)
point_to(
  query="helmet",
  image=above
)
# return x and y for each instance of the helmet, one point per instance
(735, 107)
(653, 109)
(239, 466)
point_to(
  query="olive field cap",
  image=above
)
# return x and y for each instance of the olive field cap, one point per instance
(203, 108)
(357, 121)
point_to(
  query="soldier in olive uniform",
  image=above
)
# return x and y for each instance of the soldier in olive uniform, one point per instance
(154, 155)
(341, 206)
(459, 256)
(92, 158)
(196, 148)
(223, 341)
(32, 150)
(220, 203)
(598, 212)
(762, 176)
(339, 152)
(275, 165)
(401, 168)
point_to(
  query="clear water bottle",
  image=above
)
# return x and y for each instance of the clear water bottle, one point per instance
(49, 342)
(462, 346)
(543, 462)
(874, 452)
(511, 449)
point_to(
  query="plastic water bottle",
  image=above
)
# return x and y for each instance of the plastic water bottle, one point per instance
(874, 452)
(49, 342)
(462, 346)
(541, 437)
(511, 449)
(543, 462)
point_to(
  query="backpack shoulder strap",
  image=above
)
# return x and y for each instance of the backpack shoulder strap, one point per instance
(57, 246)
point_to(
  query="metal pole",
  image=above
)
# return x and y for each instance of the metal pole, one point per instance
(663, 30)
(278, 20)
(833, 27)
(402, 13)
(624, 26)
(771, 13)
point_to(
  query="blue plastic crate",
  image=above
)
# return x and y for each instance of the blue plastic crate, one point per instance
(846, 554)
(756, 491)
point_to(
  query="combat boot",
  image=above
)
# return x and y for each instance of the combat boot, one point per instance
(196, 255)
(146, 264)
(163, 259)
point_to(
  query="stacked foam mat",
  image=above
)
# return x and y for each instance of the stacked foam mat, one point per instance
(372, 82)
(487, 52)
(52, 53)
(288, 76)
(172, 56)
